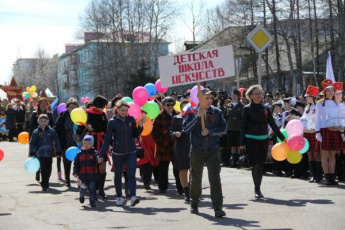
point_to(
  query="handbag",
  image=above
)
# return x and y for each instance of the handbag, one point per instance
(139, 150)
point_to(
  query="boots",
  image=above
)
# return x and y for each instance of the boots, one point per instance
(127, 193)
(38, 175)
(186, 194)
(328, 179)
(332, 178)
(234, 162)
(318, 172)
(101, 181)
(59, 176)
(257, 173)
(312, 171)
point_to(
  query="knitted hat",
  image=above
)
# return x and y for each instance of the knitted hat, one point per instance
(89, 138)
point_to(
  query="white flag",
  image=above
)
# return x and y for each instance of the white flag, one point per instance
(329, 68)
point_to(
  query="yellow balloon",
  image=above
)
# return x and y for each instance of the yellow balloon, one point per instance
(294, 157)
(79, 116)
(31, 91)
(34, 88)
(177, 106)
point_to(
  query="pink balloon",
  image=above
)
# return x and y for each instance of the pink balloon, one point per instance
(296, 142)
(140, 95)
(82, 100)
(159, 87)
(134, 110)
(294, 127)
(87, 99)
(194, 94)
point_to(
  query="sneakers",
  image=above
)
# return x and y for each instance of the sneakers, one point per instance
(119, 201)
(134, 200)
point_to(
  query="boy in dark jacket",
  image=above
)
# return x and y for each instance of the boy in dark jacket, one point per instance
(42, 143)
(86, 168)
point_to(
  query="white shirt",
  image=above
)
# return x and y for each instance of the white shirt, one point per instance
(330, 110)
(311, 116)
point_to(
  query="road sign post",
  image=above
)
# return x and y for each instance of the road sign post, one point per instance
(260, 39)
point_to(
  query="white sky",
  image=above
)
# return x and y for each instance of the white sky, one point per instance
(26, 25)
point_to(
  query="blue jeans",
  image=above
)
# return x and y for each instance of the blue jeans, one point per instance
(131, 162)
(91, 185)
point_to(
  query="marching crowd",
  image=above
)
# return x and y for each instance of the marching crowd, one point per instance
(236, 130)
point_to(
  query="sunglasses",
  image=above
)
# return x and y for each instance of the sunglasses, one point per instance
(172, 104)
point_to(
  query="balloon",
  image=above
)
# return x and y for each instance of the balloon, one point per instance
(280, 151)
(82, 100)
(128, 99)
(294, 157)
(32, 165)
(27, 95)
(34, 88)
(1, 155)
(61, 108)
(283, 131)
(151, 89)
(305, 148)
(159, 87)
(151, 108)
(87, 99)
(296, 142)
(134, 110)
(23, 138)
(71, 152)
(294, 127)
(194, 94)
(78, 116)
(140, 95)
(23, 94)
(27, 89)
(34, 94)
(147, 127)
(177, 106)
(31, 91)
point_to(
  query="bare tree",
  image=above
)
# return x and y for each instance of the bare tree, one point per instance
(195, 23)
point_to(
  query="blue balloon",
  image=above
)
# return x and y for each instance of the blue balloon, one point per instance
(151, 88)
(71, 152)
(32, 165)
(305, 148)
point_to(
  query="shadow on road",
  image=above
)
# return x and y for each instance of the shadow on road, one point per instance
(227, 221)
(292, 203)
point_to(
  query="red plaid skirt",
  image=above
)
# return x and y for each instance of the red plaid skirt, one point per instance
(314, 145)
(331, 140)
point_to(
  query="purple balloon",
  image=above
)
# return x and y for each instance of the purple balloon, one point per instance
(194, 94)
(61, 108)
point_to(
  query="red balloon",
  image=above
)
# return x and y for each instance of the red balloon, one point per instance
(1, 154)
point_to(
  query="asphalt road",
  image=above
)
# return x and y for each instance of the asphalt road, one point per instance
(289, 203)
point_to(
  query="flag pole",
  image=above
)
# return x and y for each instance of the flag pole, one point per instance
(200, 106)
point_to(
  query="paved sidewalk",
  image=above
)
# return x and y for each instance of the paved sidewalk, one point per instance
(289, 203)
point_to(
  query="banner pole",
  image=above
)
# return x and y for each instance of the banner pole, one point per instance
(200, 106)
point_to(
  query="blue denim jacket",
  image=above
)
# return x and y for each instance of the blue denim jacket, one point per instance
(121, 132)
(214, 122)
(41, 142)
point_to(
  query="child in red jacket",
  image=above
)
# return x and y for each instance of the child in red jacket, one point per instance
(86, 168)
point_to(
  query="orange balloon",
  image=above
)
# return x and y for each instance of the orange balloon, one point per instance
(148, 126)
(280, 151)
(27, 89)
(23, 138)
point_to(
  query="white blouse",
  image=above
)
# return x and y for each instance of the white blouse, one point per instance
(310, 117)
(323, 113)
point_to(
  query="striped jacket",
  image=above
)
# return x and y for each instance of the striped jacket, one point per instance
(86, 165)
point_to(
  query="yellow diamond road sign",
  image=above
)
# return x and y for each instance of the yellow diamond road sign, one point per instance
(259, 38)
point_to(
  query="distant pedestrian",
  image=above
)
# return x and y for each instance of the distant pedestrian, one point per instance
(10, 122)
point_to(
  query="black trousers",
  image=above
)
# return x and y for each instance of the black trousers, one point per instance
(163, 176)
(20, 128)
(67, 168)
(11, 134)
(46, 170)
(146, 170)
